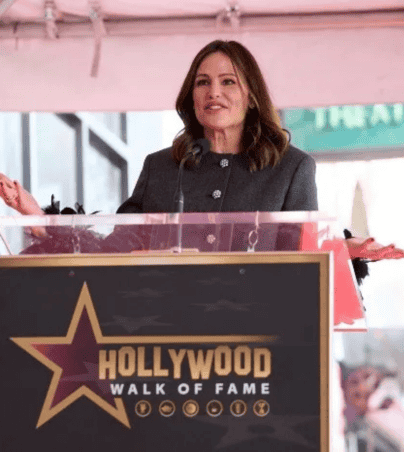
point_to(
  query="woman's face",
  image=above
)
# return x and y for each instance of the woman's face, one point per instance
(220, 94)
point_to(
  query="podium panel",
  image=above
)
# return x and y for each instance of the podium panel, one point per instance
(188, 352)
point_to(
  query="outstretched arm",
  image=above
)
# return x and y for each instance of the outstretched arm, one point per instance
(16, 197)
(370, 250)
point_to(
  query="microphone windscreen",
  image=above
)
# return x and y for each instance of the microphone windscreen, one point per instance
(200, 147)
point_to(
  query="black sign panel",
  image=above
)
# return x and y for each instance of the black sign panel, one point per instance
(172, 353)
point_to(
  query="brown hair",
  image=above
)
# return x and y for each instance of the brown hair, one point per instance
(264, 141)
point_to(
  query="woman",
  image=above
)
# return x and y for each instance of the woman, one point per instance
(250, 167)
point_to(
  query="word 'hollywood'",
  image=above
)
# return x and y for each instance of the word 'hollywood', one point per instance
(131, 361)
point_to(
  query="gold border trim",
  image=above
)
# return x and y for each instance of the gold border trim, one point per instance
(107, 260)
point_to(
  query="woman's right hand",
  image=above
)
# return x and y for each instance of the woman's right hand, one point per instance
(16, 197)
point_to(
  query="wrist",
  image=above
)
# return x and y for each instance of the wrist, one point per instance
(32, 211)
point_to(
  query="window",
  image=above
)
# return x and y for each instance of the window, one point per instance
(105, 177)
(54, 155)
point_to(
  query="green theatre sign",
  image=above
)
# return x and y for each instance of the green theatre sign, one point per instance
(346, 127)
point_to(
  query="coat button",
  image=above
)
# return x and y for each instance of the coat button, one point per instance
(216, 194)
(224, 163)
(211, 239)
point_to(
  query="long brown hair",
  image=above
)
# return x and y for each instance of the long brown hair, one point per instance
(264, 141)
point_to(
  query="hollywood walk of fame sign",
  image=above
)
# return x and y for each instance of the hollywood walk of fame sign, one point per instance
(198, 352)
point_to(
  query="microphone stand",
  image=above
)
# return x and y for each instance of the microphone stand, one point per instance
(200, 147)
(179, 198)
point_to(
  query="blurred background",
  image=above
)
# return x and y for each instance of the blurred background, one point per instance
(372, 372)
(88, 90)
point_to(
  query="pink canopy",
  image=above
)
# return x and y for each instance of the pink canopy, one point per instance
(116, 55)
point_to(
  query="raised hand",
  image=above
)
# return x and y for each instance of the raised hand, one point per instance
(16, 197)
(371, 250)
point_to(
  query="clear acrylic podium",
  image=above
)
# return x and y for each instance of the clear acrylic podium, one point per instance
(300, 232)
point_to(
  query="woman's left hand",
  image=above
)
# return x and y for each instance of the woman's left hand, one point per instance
(371, 250)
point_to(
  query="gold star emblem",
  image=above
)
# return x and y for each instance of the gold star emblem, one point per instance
(74, 362)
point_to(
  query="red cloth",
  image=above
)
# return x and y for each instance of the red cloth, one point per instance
(347, 299)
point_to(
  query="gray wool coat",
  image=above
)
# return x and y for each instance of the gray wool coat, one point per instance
(223, 183)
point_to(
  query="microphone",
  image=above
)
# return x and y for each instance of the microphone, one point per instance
(197, 150)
